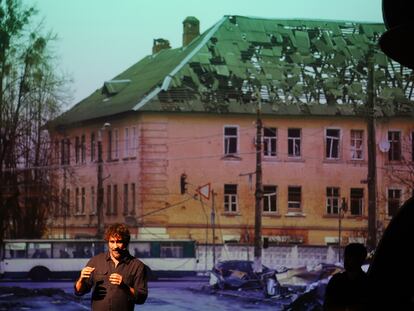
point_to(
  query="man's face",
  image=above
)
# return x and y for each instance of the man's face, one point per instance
(116, 246)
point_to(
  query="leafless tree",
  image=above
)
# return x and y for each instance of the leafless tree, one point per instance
(30, 96)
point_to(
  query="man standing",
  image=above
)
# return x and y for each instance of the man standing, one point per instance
(118, 279)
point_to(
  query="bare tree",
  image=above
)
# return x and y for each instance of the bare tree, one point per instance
(30, 93)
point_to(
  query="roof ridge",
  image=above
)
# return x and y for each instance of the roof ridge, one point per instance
(168, 78)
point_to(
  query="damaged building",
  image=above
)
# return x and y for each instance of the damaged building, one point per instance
(188, 115)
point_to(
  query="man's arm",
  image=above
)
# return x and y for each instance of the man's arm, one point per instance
(81, 285)
(140, 289)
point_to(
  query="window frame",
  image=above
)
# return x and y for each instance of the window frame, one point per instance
(330, 144)
(230, 200)
(291, 203)
(356, 202)
(270, 199)
(333, 200)
(395, 146)
(355, 149)
(228, 138)
(270, 142)
(294, 141)
(393, 200)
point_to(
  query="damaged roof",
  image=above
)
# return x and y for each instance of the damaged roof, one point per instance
(292, 67)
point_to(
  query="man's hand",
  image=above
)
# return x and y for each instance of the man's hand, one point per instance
(115, 279)
(86, 273)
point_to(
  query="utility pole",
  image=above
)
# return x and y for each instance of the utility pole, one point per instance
(372, 175)
(99, 201)
(213, 226)
(257, 265)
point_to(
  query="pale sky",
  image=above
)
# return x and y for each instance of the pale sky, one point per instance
(98, 39)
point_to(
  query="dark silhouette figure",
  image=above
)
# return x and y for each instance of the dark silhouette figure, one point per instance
(390, 272)
(348, 290)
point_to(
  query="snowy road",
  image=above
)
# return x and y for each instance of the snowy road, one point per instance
(163, 296)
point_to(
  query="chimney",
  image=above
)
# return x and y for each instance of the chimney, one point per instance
(191, 29)
(160, 44)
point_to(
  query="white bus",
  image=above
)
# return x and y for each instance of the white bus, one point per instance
(40, 260)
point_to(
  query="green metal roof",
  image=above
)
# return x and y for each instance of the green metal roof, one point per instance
(293, 66)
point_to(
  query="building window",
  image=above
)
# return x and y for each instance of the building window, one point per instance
(394, 138)
(294, 142)
(133, 199)
(77, 201)
(115, 141)
(230, 198)
(356, 144)
(134, 142)
(171, 250)
(83, 200)
(332, 200)
(115, 202)
(294, 197)
(83, 149)
(65, 151)
(125, 199)
(269, 141)
(230, 140)
(109, 154)
(394, 201)
(108, 199)
(126, 142)
(93, 202)
(332, 143)
(65, 202)
(270, 199)
(77, 149)
(357, 201)
(93, 146)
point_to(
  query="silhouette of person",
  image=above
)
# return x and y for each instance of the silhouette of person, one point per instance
(348, 290)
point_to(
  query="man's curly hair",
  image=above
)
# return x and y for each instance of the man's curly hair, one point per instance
(118, 230)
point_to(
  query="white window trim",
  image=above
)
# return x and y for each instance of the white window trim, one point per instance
(294, 156)
(270, 139)
(330, 199)
(355, 149)
(237, 138)
(339, 143)
(268, 198)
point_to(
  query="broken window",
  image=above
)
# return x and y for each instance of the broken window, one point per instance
(394, 138)
(294, 142)
(269, 199)
(332, 200)
(269, 141)
(230, 198)
(394, 201)
(356, 144)
(294, 197)
(357, 201)
(230, 140)
(332, 143)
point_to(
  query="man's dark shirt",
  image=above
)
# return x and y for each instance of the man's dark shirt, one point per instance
(107, 296)
(342, 293)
